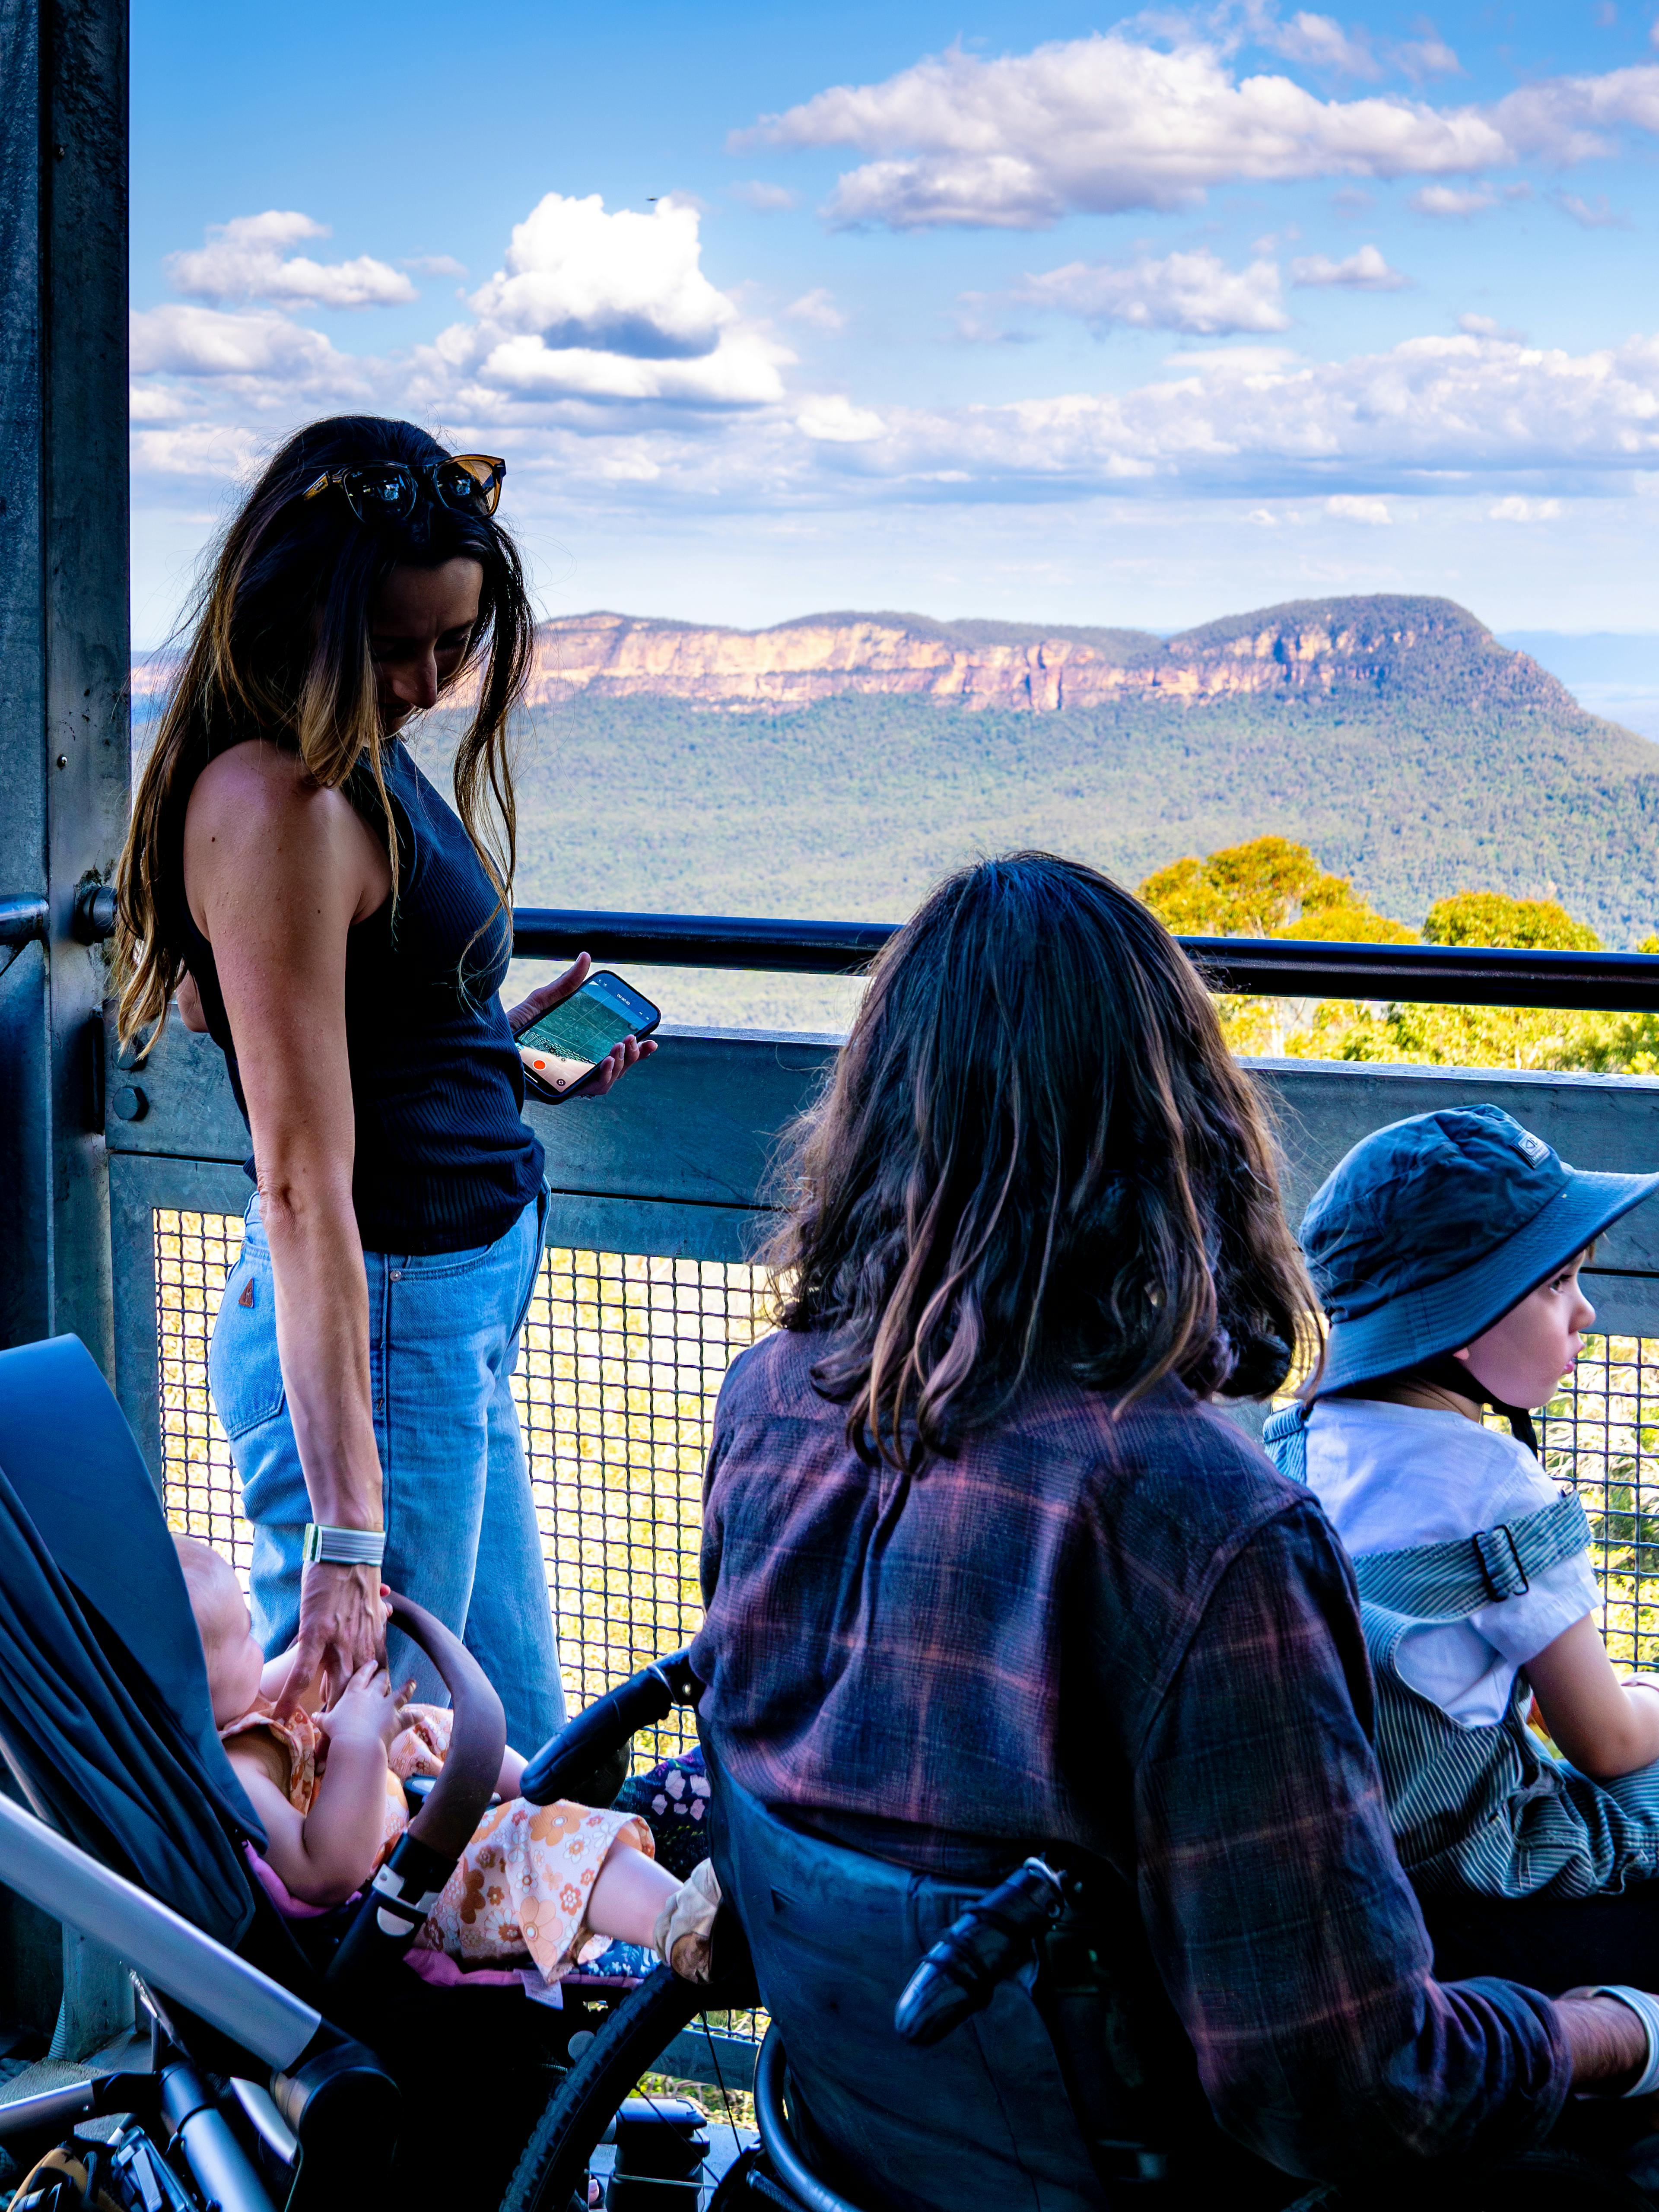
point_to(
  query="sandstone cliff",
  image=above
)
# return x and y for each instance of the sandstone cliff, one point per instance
(1321, 647)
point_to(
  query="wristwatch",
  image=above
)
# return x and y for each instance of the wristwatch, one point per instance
(343, 1548)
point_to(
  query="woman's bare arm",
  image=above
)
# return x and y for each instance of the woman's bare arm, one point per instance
(1603, 1726)
(276, 872)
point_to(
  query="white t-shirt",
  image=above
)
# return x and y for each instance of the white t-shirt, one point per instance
(1392, 1477)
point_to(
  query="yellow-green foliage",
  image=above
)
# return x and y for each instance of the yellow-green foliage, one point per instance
(1267, 888)
(1273, 888)
(1495, 918)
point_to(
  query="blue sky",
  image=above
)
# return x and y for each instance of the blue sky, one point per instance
(1035, 312)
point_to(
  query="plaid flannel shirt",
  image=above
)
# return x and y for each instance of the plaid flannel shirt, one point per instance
(1134, 1637)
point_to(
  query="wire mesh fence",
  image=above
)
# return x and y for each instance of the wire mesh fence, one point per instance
(619, 1364)
(621, 1361)
(1601, 1435)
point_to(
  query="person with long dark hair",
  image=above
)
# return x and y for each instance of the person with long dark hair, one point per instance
(342, 935)
(988, 1574)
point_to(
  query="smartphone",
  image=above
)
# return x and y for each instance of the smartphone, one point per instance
(561, 1051)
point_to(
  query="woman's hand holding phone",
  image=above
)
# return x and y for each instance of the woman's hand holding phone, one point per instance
(617, 1062)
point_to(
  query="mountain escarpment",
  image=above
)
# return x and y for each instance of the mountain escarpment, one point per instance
(1369, 647)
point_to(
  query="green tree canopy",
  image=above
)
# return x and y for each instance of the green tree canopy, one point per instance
(1267, 888)
(1495, 918)
(1273, 888)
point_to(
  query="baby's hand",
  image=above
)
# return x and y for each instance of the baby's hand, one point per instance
(366, 1711)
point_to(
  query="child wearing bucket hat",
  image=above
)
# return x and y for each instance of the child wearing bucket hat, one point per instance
(1446, 1251)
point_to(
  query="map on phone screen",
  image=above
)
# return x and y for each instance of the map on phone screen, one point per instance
(564, 1045)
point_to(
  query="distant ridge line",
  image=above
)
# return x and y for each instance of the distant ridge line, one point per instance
(1381, 643)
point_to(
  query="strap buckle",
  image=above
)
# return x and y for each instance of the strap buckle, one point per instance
(1500, 1561)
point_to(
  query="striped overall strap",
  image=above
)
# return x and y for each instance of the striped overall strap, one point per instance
(1285, 1440)
(1446, 1581)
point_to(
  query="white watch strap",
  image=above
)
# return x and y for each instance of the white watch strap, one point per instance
(343, 1548)
(1646, 2009)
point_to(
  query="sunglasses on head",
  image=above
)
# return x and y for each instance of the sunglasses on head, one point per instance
(386, 491)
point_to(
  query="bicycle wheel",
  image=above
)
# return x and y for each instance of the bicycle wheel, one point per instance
(555, 2162)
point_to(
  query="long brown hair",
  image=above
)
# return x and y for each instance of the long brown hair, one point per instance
(1035, 1150)
(279, 648)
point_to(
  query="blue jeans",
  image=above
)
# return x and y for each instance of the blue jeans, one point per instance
(460, 1521)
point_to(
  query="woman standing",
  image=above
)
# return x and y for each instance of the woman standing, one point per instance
(343, 936)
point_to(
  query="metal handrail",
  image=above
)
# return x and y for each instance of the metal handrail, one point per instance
(1255, 967)
(1442, 974)
(21, 920)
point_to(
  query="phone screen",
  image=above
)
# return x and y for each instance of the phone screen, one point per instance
(564, 1045)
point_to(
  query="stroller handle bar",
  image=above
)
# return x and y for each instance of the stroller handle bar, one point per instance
(396, 1905)
(236, 1998)
(606, 1725)
(477, 1740)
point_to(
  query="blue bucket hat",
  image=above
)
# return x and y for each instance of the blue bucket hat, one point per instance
(1430, 1230)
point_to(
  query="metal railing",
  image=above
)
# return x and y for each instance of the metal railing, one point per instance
(1261, 967)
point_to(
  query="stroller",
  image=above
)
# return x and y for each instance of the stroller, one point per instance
(351, 2074)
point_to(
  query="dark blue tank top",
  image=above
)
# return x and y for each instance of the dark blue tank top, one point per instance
(444, 1160)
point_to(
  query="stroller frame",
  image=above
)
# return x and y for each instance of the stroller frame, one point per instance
(102, 1687)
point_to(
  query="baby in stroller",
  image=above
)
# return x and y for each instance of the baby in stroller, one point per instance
(557, 1882)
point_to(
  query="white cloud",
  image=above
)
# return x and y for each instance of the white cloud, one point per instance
(1571, 119)
(1452, 204)
(1318, 42)
(1195, 292)
(626, 283)
(1432, 414)
(1488, 326)
(155, 402)
(1516, 508)
(1362, 271)
(599, 307)
(215, 450)
(204, 342)
(435, 264)
(818, 308)
(244, 259)
(1589, 215)
(1104, 123)
(1234, 360)
(1353, 507)
(764, 198)
(832, 420)
(1428, 56)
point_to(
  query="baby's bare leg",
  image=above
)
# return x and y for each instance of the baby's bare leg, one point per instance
(634, 1901)
(629, 1893)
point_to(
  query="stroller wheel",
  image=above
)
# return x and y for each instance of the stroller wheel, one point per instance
(553, 2171)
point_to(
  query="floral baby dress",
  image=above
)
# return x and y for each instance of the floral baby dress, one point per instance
(523, 1882)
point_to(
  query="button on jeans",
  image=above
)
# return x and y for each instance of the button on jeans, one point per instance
(460, 1520)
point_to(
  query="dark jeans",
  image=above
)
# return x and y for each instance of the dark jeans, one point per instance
(1549, 1943)
(982, 2119)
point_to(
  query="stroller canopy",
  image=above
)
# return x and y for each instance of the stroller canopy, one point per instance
(105, 1714)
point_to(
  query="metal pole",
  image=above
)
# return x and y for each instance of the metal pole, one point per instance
(64, 711)
(63, 637)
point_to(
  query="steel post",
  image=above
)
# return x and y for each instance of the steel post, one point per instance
(63, 637)
(63, 702)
